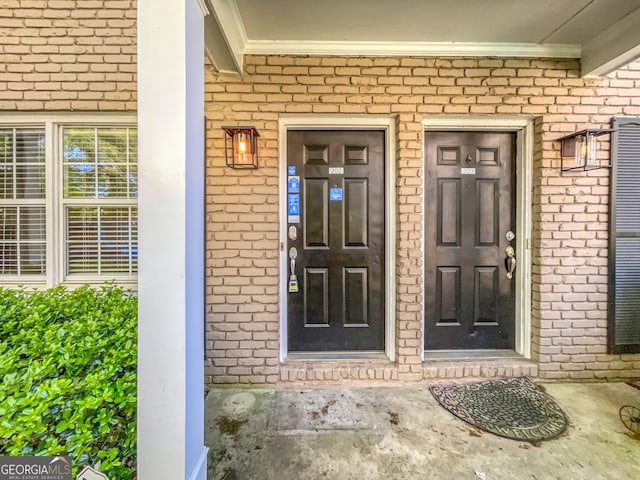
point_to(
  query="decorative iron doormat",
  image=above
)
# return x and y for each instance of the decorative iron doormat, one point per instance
(510, 407)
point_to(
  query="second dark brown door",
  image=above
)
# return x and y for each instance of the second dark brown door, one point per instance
(339, 239)
(469, 209)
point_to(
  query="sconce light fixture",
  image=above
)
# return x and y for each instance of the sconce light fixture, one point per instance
(579, 150)
(241, 147)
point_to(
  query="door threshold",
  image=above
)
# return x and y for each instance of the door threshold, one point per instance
(368, 355)
(435, 355)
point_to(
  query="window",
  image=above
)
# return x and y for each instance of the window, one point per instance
(100, 190)
(68, 201)
(22, 201)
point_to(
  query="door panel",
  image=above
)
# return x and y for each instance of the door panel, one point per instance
(340, 303)
(486, 295)
(487, 202)
(315, 208)
(355, 297)
(469, 207)
(448, 288)
(356, 218)
(316, 297)
(449, 214)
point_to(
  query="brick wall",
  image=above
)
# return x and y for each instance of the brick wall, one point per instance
(68, 55)
(569, 281)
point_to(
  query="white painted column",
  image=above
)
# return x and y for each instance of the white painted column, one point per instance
(171, 240)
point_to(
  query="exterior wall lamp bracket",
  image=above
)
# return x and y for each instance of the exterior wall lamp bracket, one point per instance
(578, 151)
(241, 147)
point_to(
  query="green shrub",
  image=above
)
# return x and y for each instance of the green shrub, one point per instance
(68, 376)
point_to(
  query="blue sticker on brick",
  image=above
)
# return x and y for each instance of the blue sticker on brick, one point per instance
(335, 195)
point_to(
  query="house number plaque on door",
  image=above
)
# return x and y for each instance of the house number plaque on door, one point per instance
(467, 171)
(336, 170)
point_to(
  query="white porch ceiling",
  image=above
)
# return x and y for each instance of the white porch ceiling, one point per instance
(604, 34)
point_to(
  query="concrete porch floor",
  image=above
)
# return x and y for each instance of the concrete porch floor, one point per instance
(401, 432)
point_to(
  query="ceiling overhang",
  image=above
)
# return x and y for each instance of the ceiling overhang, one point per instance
(614, 48)
(227, 42)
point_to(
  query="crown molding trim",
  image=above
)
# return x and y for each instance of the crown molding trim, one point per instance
(424, 49)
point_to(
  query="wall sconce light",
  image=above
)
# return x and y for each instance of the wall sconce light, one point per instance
(579, 150)
(241, 147)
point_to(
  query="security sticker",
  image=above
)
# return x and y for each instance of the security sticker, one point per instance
(335, 195)
(293, 185)
(293, 208)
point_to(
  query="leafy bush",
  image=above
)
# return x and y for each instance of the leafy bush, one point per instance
(68, 376)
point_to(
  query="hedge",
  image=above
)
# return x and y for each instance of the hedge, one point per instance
(68, 376)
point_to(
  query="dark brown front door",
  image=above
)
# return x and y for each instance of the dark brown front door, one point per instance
(337, 180)
(469, 210)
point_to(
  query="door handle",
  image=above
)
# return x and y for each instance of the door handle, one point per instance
(293, 279)
(510, 261)
(293, 254)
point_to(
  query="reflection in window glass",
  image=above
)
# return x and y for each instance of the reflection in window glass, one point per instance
(22, 156)
(100, 162)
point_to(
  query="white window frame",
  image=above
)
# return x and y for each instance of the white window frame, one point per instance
(19, 202)
(53, 124)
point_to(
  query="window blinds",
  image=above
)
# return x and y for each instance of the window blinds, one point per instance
(100, 191)
(22, 201)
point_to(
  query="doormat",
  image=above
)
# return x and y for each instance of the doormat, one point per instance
(509, 407)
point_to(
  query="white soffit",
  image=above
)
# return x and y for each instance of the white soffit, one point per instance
(494, 28)
(422, 21)
(613, 48)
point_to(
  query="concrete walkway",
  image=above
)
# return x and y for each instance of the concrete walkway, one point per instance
(402, 433)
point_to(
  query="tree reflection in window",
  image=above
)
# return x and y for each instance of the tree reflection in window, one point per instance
(100, 162)
(100, 170)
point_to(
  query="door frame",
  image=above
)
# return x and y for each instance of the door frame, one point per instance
(523, 128)
(341, 122)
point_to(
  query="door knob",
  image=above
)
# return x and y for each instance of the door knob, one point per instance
(510, 261)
